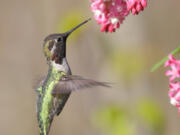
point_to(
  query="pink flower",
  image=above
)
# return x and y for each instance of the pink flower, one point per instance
(109, 13)
(174, 94)
(174, 73)
(171, 61)
(135, 6)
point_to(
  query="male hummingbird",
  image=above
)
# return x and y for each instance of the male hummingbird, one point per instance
(54, 90)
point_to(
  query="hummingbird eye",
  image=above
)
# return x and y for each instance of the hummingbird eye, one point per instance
(59, 39)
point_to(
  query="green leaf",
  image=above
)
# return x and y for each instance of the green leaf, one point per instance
(160, 63)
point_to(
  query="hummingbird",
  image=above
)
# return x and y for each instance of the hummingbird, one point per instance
(55, 88)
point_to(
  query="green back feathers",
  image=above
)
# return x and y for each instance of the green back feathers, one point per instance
(46, 97)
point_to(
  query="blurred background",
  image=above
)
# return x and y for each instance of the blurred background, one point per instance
(138, 102)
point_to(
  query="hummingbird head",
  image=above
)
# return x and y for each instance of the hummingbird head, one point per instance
(54, 46)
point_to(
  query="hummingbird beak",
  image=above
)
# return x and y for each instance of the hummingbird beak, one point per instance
(69, 32)
(64, 35)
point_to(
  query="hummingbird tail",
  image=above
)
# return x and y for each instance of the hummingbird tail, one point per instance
(44, 132)
(44, 128)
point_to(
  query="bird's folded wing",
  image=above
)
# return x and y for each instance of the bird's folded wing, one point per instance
(73, 82)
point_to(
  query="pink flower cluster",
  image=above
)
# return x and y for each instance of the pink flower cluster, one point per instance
(136, 5)
(174, 73)
(111, 13)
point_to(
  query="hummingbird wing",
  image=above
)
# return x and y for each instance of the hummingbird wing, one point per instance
(73, 82)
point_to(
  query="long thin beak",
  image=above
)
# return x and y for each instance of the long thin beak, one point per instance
(69, 32)
(65, 35)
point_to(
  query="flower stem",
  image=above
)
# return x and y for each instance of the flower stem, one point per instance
(160, 63)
